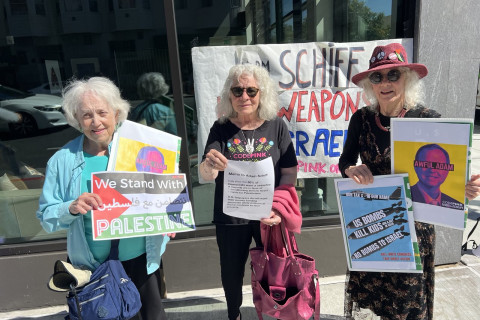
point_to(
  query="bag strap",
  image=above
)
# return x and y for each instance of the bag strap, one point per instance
(317, 297)
(73, 290)
(464, 246)
(290, 247)
(114, 249)
(287, 240)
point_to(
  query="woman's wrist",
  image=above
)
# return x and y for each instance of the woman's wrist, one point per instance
(70, 211)
(347, 170)
(207, 169)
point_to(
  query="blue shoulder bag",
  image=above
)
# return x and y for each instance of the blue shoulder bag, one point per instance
(109, 294)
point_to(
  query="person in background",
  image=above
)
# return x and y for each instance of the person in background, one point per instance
(9, 164)
(248, 128)
(95, 108)
(394, 88)
(151, 88)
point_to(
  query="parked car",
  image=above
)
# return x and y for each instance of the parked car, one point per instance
(44, 88)
(38, 111)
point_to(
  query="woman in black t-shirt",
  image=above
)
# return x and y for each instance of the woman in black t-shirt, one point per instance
(249, 130)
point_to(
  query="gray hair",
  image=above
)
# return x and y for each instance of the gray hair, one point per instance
(100, 87)
(268, 105)
(151, 86)
(414, 89)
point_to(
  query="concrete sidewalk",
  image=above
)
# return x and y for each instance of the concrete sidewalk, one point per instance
(457, 289)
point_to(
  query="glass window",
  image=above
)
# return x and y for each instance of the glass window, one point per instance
(29, 71)
(40, 7)
(207, 3)
(180, 4)
(236, 3)
(126, 4)
(73, 5)
(93, 5)
(288, 21)
(18, 7)
(146, 4)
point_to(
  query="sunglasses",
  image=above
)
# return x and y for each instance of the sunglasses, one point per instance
(238, 91)
(392, 76)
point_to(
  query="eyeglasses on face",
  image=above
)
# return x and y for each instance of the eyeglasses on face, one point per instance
(238, 91)
(392, 76)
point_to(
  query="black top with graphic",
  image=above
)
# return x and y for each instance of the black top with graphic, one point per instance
(389, 295)
(271, 139)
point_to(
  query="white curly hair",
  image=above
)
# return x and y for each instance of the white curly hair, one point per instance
(268, 105)
(414, 89)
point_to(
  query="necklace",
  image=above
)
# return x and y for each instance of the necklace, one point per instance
(249, 143)
(379, 124)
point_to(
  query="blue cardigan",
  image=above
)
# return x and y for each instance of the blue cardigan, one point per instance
(62, 186)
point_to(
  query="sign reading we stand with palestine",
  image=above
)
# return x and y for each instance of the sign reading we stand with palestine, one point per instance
(140, 204)
(142, 192)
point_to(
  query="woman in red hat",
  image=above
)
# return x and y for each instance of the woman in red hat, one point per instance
(395, 89)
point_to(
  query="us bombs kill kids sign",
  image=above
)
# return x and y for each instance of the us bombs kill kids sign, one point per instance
(378, 225)
(140, 204)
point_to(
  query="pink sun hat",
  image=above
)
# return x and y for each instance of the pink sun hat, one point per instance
(390, 56)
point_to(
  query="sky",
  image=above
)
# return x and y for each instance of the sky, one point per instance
(377, 6)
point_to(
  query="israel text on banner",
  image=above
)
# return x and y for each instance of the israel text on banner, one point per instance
(317, 97)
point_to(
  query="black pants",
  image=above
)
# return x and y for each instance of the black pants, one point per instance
(148, 287)
(233, 244)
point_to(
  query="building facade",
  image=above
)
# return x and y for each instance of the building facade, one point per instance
(44, 43)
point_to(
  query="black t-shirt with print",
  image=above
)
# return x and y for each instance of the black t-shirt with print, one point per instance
(271, 139)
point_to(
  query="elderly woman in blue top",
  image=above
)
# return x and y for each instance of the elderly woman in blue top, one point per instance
(96, 109)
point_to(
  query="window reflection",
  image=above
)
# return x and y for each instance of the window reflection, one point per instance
(134, 42)
(73, 5)
(18, 7)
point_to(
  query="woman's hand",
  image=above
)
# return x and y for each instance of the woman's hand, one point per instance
(216, 160)
(360, 174)
(275, 218)
(85, 202)
(213, 163)
(472, 188)
(171, 235)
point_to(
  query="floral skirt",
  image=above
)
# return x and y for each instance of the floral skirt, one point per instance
(403, 296)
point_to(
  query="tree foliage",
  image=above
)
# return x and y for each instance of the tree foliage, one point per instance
(364, 24)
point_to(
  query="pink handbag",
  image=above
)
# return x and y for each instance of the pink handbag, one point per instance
(284, 287)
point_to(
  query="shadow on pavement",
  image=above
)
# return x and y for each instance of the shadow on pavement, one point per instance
(247, 313)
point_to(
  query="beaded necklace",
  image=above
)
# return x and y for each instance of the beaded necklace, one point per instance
(379, 124)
